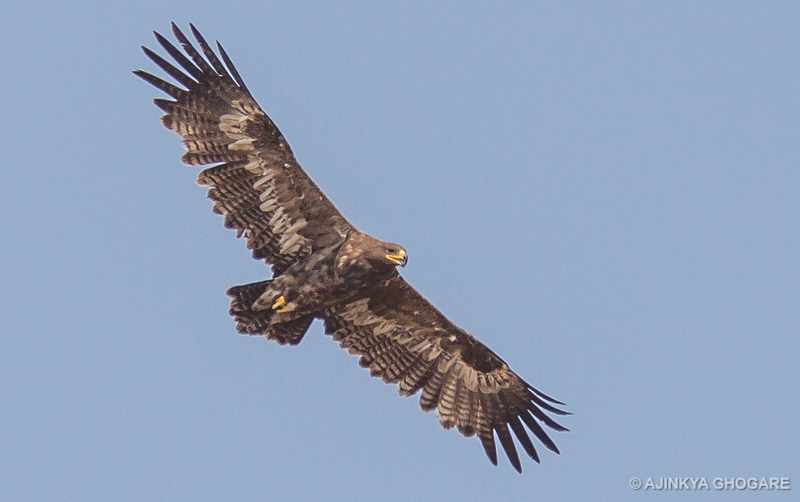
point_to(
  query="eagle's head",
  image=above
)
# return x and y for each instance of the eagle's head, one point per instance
(369, 254)
(395, 253)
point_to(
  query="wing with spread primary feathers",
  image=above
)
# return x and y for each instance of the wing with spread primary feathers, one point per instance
(258, 184)
(403, 339)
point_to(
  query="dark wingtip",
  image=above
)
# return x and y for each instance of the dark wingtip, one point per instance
(161, 39)
(196, 32)
(466, 430)
(522, 436)
(488, 444)
(543, 395)
(508, 446)
(231, 68)
(175, 29)
(552, 409)
(146, 76)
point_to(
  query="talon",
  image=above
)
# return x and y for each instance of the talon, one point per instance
(283, 310)
(280, 302)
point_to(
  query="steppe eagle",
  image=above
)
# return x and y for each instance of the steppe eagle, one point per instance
(324, 268)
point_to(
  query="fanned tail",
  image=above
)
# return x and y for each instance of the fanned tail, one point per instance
(258, 322)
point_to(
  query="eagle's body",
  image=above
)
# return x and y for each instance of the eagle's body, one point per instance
(325, 278)
(325, 268)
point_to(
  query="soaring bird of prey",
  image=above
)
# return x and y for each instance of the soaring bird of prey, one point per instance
(323, 267)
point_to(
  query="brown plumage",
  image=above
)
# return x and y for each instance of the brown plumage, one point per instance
(324, 267)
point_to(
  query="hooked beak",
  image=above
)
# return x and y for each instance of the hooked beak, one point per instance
(401, 258)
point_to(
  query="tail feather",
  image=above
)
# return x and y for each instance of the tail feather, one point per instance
(258, 322)
(290, 332)
(249, 321)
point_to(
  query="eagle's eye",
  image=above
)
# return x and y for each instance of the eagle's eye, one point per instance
(391, 250)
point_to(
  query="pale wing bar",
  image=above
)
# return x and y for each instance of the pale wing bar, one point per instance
(468, 386)
(260, 188)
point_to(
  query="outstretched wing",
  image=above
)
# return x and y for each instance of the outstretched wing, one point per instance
(403, 339)
(258, 186)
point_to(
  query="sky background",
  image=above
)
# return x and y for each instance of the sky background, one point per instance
(605, 193)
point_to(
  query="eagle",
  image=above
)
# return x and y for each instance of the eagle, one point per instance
(323, 267)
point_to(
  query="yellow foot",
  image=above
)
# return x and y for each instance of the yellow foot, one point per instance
(280, 302)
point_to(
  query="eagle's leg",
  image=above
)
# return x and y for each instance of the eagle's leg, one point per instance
(303, 289)
(281, 307)
(280, 302)
(275, 302)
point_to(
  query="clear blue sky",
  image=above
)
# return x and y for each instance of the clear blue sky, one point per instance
(607, 194)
